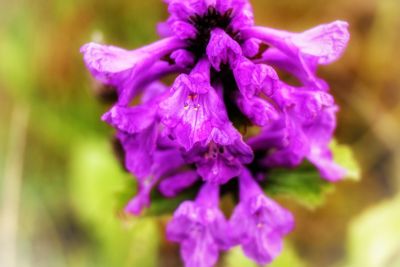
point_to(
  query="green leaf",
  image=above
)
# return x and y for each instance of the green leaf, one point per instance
(343, 155)
(302, 184)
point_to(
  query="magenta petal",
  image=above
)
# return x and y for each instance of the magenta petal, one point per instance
(191, 228)
(222, 49)
(164, 29)
(141, 201)
(259, 111)
(154, 93)
(131, 119)
(253, 79)
(219, 170)
(139, 149)
(194, 113)
(180, 9)
(183, 58)
(200, 227)
(251, 47)
(258, 223)
(322, 158)
(320, 135)
(218, 164)
(118, 67)
(307, 76)
(155, 164)
(172, 185)
(184, 30)
(327, 41)
(243, 15)
(104, 61)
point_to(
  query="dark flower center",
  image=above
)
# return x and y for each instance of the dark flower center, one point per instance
(204, 24)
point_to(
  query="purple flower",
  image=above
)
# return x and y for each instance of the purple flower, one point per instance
(258, 223)
(194, 113)
(222, 49)
(201, 130)
(304, 133)
(324, 43)
(255, 79)
(320, 45)
(256, 82)
(200, 228)
(122, 68)
(217, 163)
(163, 163)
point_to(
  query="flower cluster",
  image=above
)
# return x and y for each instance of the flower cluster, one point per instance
(228, 115)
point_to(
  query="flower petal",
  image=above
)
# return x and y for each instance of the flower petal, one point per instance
(118, 67)
(194, 113)
(325, 43)
(131, 119)
(259, 111)
(199, 226)
(222, 49)
(253, 79)
(217, 163)
(139, 149)
(172, 185)
(258, 223)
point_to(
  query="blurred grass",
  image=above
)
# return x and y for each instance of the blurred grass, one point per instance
(68, 212)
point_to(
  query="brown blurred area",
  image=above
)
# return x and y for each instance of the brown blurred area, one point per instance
(43, 81)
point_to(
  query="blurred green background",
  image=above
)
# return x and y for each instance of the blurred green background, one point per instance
(60, 181)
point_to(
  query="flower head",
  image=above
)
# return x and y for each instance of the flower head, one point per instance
(200, 130)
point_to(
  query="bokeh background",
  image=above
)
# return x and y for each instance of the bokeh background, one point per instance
(60, 181)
